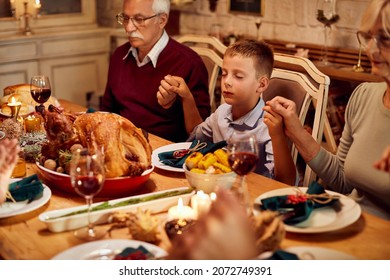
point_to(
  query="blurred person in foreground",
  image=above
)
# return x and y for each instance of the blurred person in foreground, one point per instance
(246, 70)
(225, 232)
(142, 70)
(366, 132)
(9, 150)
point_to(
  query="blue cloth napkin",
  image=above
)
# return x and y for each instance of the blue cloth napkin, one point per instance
(29, 188)
(296, 209)
(283, 255)
(177, 158)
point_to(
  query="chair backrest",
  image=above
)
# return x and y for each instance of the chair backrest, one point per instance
(211, 50)
(306, 86)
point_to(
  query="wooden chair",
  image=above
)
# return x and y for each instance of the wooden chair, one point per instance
(305, 87)
(211, 50)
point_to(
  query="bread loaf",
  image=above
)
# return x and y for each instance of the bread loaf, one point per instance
(21, 92)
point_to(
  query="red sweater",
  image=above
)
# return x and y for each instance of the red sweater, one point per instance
(131, 90)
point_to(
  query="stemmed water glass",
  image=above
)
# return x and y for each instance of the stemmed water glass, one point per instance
(243, 155)
(326, 14)
(87, 176)
(40, 90)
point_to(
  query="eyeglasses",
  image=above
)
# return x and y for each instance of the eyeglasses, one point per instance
(381, 40)
(138, 21)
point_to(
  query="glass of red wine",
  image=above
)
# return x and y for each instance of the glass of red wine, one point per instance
(87, 176)
(40, 90)
(243, 156)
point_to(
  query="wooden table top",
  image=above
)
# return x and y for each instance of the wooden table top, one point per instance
(26, 237)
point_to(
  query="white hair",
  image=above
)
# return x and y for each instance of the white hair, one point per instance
(161, 6)
(377, 8)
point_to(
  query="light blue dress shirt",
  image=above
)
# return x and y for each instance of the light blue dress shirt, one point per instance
(220, 126)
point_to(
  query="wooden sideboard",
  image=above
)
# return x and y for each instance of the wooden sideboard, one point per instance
(76, 61)
(341, 60)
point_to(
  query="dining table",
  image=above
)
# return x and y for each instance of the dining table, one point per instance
(25, 237)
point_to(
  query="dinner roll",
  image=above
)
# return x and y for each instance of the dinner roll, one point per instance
(6, 110)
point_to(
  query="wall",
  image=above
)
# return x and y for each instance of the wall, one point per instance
(283, 19)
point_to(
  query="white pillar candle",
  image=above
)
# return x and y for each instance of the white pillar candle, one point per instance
(180, 212)
(200, 202)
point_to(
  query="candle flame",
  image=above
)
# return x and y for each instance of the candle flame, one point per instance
(37, 4)
(180, 204)
(14, 102)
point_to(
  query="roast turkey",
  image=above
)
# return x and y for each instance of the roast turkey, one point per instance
(126, 150)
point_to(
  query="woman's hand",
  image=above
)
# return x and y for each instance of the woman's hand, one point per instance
(287, 109)
(9, 150)
(304, 142)
(274, 122)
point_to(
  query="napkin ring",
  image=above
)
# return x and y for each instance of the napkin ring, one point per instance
(183, 152)
(322, 198)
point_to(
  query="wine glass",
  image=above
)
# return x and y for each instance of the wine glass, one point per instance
(87, 176)
(326, 14)
(40, 90)
(243, 156)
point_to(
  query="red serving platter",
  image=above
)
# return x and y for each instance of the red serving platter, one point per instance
(113, 187)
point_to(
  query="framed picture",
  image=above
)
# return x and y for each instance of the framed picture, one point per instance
(254, 7)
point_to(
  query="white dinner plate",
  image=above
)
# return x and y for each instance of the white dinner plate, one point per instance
(171, 147)
(312, 253)
(31, 109)
(106, 250)
(9, 209)
(323, 219)
(319, 253)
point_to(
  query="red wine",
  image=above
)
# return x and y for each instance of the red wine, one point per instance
(242, 163)
(87, 186)
(41, 95)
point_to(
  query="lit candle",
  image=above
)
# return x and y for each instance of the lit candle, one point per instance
(180, 212)
(200, 203)
(14, 102)
(32, 124)
(37, 4)
(37, 7)
(15, 107)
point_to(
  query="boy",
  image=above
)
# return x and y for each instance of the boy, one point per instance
(246, 70)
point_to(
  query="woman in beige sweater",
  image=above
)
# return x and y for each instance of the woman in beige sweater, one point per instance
(366, 132)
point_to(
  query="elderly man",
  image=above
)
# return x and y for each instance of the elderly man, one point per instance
(145, 71)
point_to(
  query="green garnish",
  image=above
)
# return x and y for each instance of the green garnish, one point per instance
(130, 201)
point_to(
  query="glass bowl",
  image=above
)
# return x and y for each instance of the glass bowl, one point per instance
(209, 182)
